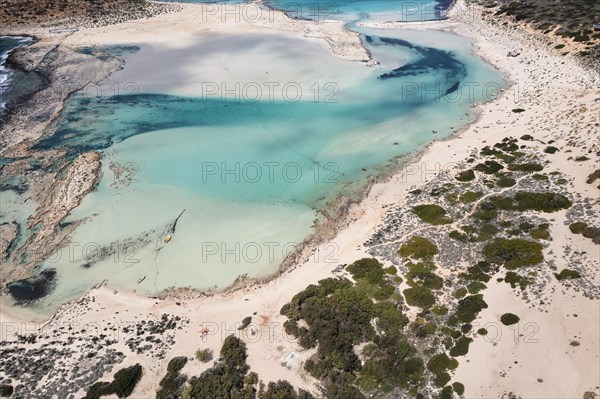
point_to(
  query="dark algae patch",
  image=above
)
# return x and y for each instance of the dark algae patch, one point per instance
(31, 289)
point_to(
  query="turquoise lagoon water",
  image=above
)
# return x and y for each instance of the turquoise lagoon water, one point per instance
(249, 174)
(349, 10)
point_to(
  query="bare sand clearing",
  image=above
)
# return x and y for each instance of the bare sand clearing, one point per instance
(561, 102)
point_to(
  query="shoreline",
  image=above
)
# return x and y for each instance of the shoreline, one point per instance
(341, 211)
(549, 104)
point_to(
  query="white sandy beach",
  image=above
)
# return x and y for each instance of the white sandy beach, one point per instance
(562, 103)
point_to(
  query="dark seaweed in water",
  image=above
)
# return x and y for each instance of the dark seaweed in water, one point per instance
(432, 59)
(106, 52)
(29, 290)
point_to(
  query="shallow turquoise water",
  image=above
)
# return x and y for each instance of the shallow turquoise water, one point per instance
(348, 10)
(250, 174)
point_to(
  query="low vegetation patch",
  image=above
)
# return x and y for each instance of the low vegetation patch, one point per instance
(418, 248)
(470, 196)
(461, 347)
(513, 253)
(465, 176)
(567, 274)
(419, 296)
(6, 390)
(526, 167)
(340, 315)
(432, 214)
(509, 319)
(469, 307)
(515, 280)
(505, 181)
(577, 227)
(171, 386)
(204, 355)
(489, 167)
(123, 384)
(245, 322)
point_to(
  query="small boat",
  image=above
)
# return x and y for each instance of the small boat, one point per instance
(141, 279)
(167, 238)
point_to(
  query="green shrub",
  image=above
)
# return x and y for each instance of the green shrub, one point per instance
(432, 214)
(593, 233)
(505, 181)
(543, 202)
(98, 389)
(177, 363)
(550, 150)
(458, 388)
(6, 390)
(593, 176)
(482, 331)
(515, 279)
(446, 393)
(389, 317)
(475, 287)
(343, 391)
(509, 319)
(123, 384)
(478, 272)
(526, 167)
(419, 296)
(419, 248)
(489, 167)
(460, 293)
(245, 322)
(368, 268)
(518, 110)
(457, 235)
(469, 307)
(513, 253)
(392, 270)
(581, 158)
(465, 176)
(204, 355)
(423, 271)
(227, 378)
(577, 227)
(439, 310)
(560, 182)
(540, 234)
(470, 196)
(567, 274)
(453, 364)
(487, 232)
(126, 379)
(441, 379)
(461, 347)
(171, 386)
(438, 363)
(539, 177)
(527, 137)
(486, 211)
(284, 390)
